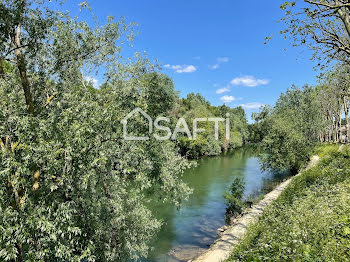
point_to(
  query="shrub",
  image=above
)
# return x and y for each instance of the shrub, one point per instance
(234, 199)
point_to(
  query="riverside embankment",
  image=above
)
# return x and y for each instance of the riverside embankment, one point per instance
(190, 230)
(222, 248)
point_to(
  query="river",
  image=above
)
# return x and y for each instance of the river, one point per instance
(193, 228)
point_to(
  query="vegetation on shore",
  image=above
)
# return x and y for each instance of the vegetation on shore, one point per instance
(303, 117)
(234, 199)
(310, 221)
(196, 106)
(71, 189)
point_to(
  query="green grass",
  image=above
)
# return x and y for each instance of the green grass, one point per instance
(325, 149)
(310, 221)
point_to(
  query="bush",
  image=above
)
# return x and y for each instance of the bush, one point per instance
(234, 199)
(292, 130)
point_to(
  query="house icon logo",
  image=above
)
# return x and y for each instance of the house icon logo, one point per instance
(180, 128)
(125, 125)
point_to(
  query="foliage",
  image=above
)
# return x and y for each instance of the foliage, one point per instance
(258, 130)
(310, 220)
(321, 25)
(195, 106)
(324, 27)
(160, 94)
(293, 130)
(302, 118)
(322, 150)
(333, 95)
(70, 188)
(234, 198)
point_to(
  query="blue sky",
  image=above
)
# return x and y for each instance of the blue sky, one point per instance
(210, 45)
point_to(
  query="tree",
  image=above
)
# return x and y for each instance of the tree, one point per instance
(160, 93)
(260, 128)
(300, 116)
(294, 129)
(71, 189)
(322, 25)
(333, 94)
(234, 199)
(196, 106)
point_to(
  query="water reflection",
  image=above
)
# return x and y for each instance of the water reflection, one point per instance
(192, 228)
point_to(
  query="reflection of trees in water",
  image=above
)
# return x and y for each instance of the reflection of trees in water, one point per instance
(273, 179)
(209, 180)
(163, 241)
(214, 172)
(245, 152)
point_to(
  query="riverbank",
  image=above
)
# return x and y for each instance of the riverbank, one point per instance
(310, 221)
(222, 248)
(189, 231)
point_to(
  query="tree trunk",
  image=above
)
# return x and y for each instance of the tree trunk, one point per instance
(334, 130)
(345, 19)
(340, 133)
(20, 253)
(21, 65)
(328, 130)
(346, 111)
(2, 71)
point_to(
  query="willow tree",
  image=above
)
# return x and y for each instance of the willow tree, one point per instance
(71, 189)
(293, 128)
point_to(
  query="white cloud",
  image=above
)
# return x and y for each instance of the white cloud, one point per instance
(249, 81)
(222, 59)
(253, 105)
(92, 81)
(216, 66)
(222, 90)
(187, 69)
(219, 61)
(182, 68)
(227, 99)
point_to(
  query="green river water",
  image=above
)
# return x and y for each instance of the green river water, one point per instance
(193, 228)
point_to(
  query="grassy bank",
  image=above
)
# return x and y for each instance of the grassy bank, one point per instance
(310, 221)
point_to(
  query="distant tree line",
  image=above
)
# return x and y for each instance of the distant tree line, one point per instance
(195, 106)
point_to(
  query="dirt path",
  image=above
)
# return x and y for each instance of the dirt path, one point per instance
(222, 248)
